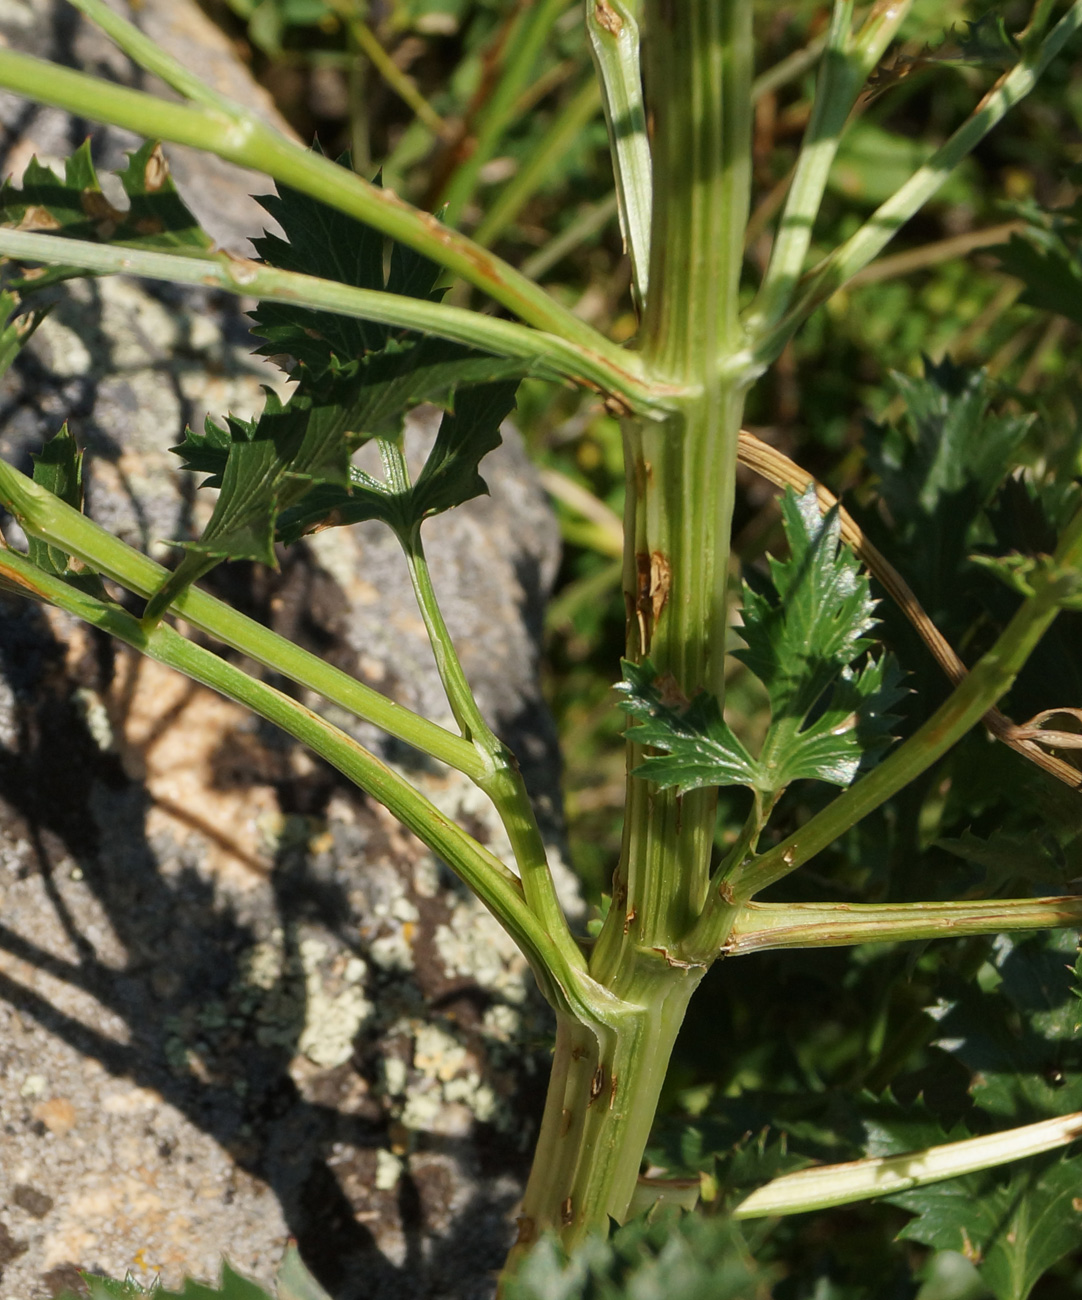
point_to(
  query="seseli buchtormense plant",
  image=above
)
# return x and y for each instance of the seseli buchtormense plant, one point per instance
(368, 336)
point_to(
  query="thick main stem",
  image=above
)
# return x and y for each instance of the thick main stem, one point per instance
(680, 480)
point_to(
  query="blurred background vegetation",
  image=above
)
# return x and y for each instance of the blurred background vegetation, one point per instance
(488, 109)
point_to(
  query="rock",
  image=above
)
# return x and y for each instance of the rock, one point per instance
(238, 1002)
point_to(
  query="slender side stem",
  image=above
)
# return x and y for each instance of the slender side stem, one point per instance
(859, 1180)
(790, 68)
(549, 355)
(502, 781)
(402, 85)
(847, 62)
(970, 700)
(149, 55)
(240, 137)
(613, 29)
(550, 151)
(43, 515)
(590, 221)
(524, 45)
(762, 926)
(869, 241)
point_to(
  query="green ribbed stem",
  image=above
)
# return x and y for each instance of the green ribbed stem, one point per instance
(680, 482)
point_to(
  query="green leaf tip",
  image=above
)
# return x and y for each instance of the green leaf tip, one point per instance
(58, 468)
(951, 444)
(16, 326)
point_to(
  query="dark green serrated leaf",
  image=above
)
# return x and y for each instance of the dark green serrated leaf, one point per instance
(700, 747)
(1014, 1227)
(800, 636)
(15, 329)
(58, 468)
(850, 733)
(414, 275)
(242, 525)
(466, 435)
(106, 1288)
(987, 43)
(76, 207)
(827, 719)
(951, 444)
(258, 458)
(891, 1129)
(288, 473)
(1051, 271)
(938, 469)
(367, 399)
(1038, 858)
(207, 452)
(450, 475)
(322, 241)
(157, 216)
(392, 382)
(1020, 1041)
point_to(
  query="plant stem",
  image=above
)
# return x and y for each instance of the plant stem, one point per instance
(603, 1091)
(613, 29)
(847, 62)
(41, 514)
(610, 370)
(859, 1180)
(857, 251)
(240, 137)
(762, 926)
(680, 474)
(502, 780)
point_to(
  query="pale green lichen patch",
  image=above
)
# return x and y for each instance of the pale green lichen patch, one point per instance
(388, 917)
(304, 996)
(473, 944)
(333, 1016)
(389, 1169)
(95, 717)
(442, 1091)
